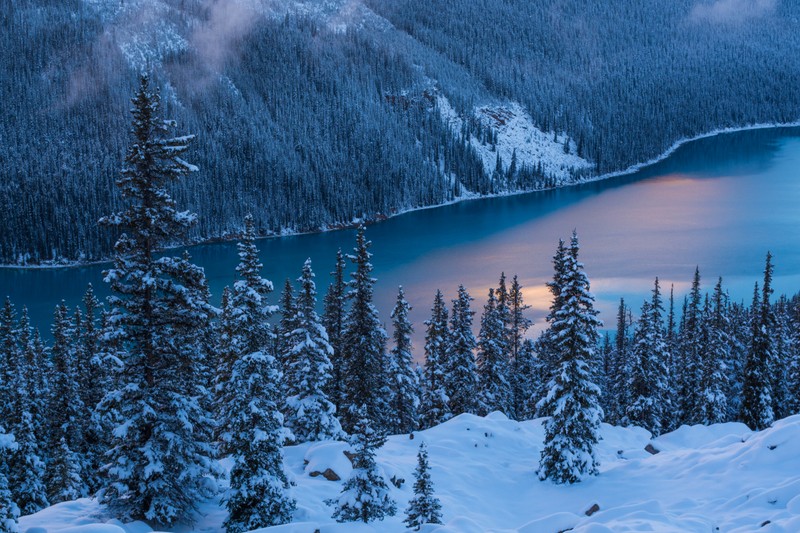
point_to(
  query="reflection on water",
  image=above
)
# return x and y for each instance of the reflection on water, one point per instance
(719, 203)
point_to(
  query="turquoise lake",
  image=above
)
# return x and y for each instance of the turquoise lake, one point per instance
(719, 203)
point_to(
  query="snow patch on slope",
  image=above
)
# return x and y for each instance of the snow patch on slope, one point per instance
(141, 29)
(337, 15)
(516, 131)
(706, 478)
(147, 31)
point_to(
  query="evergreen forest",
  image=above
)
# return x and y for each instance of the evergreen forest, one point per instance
(312, 115)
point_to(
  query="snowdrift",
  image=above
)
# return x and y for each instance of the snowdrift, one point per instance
(702, 478)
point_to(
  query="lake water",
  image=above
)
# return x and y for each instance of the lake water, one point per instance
(719, 203)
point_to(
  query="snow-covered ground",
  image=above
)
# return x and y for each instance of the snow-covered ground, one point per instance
(516, 132)
(718, 478)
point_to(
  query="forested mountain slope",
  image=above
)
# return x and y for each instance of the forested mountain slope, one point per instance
(310, 114)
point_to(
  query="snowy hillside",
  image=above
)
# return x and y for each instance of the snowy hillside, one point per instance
(716, 478)
(516, 133)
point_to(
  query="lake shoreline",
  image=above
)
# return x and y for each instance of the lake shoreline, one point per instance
(464, 198)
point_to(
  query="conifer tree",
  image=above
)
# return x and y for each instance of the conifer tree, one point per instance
(66, 415)
(528, 373)
(258, 495)
(8, 363)
(669, 334)
(717, 356)
(543, 348)
(435, 400)
(691, 358)
(160, 430)
(461, 382)
(739, 333)
(64, 479)
(492, 362)
(572, 432)
(546, 343)
(92, 382)
(288, 309)
(405, 381)
(9, 511)
(333, 320)
(424, 507)
(311, 416)
(243, 326)
(365, 378)
(672, 415)
(648, 384)
(757, 410)
(227, 354)
(619, 395)
(503, 306)
(27, 466)
(27, 469)
(38, 369)
(779, 360)
(249, 295)
(365, 495)
(517, 326)
(793, 366)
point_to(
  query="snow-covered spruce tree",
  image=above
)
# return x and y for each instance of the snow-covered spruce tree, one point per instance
(365, 378)
(435, 407)
(227, 354)
(249, 296)
(288, 311)
(27, 472)
(492, 362)
(739, 334)
(648, 381)
(793, 365)
(528, 374)
(757, 410)
(424, 507)
(161, 452)
(65, 467)
(545, 344)
(64, 476)
(461, 375)
(310, 415)
(717, 356)
(572, 432)
(92, 383)
(404, 378)
(365, 495)
(641, 409)
(9, 364)
(258, 495)
(543, 348)
(690, 357)
(780, 359)
(333, 320)
(517, 326)
(243, 326)
(503, 308)
(606, 353)
(617, 396)
(671, 417)
(37, 367)
(9, 512)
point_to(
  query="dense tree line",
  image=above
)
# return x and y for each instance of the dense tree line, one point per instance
(307, 127)
(136, 400)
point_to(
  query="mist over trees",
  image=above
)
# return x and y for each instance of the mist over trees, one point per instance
(311, 120)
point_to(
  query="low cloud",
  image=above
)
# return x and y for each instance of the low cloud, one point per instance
(732, 11)
(228, 21)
